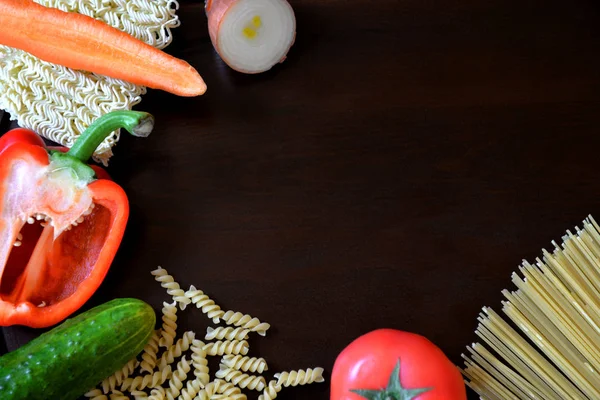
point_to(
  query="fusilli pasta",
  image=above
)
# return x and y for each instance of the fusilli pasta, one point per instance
(176, 349)
(168, 282)
(246, 322)
(226, 388)
(227, 333)
(271, 391)
(96, 394)
(235, 396)
(59, 103)
(178, 377)
(169, 326)
(241, 379)
(151, 380)
(192, 388)
(212, 387)
(117, 395)
(230, 342)
(139, 395)
(149, 353)
(245, 364)
(205, 303)
(157, 393)
(300, 377)
(220, 348)
(117, 378)
(228, 391)
(203, 395)
(199, 362)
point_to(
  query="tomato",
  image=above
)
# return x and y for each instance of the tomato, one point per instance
(388, 364)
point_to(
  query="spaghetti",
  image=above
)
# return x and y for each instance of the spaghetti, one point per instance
(556, 308)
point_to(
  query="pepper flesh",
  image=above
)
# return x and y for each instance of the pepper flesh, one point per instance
(61, 261)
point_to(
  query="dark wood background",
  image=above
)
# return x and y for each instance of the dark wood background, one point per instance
(391, 173)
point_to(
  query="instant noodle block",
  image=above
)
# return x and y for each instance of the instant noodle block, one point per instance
(60, 103)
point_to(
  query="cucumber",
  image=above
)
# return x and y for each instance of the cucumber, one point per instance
(67, 361)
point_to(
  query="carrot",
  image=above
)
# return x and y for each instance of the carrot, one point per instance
(251, 36)
(80, 42)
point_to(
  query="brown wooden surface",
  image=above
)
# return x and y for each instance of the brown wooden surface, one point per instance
(391, 173)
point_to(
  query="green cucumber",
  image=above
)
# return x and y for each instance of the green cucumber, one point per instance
(65, 362)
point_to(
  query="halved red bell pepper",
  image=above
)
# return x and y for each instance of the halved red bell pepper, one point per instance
(61, 221)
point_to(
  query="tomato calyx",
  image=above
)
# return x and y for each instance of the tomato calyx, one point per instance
(393, 391)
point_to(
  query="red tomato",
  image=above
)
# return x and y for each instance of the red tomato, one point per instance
(391, 364)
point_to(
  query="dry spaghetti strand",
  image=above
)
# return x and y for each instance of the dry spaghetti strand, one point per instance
(550, 349)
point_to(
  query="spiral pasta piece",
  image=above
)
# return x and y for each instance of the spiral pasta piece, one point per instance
(246, 322)
(199, 362)
(169, 326)
(212, 388)
(244, 363)
(175, 350)
(227, 388)
(192, 388)
(150, 380)
(95, 394)
(241, 379)
(219, 389)
(220, 348)
(205, 303)
(168, 282)
(271, 391)
(117, 395)
(300, 377)
(149, 353)
(110, 383)
(227, 333)
(236, 396)
(178, 377)
(158, 393)
(209, 391)
(202, 395)
(139, 395)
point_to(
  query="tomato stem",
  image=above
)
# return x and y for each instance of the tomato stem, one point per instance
(394, 389)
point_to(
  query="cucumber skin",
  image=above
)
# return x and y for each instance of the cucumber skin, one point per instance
(67, 361)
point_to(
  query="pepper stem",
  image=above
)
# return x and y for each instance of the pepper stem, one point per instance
(137, 123)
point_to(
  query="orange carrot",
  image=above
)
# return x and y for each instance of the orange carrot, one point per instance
(80, 42)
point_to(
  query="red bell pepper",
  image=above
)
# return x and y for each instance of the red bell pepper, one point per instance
(61, 221)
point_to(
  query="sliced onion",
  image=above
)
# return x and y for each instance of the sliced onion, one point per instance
(251, 36)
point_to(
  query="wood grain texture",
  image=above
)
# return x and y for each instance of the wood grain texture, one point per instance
(392, 172)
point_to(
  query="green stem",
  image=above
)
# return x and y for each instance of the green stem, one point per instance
(135, 122)
(394, 389)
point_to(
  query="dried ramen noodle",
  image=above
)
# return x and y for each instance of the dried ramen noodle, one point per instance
(59, 103)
